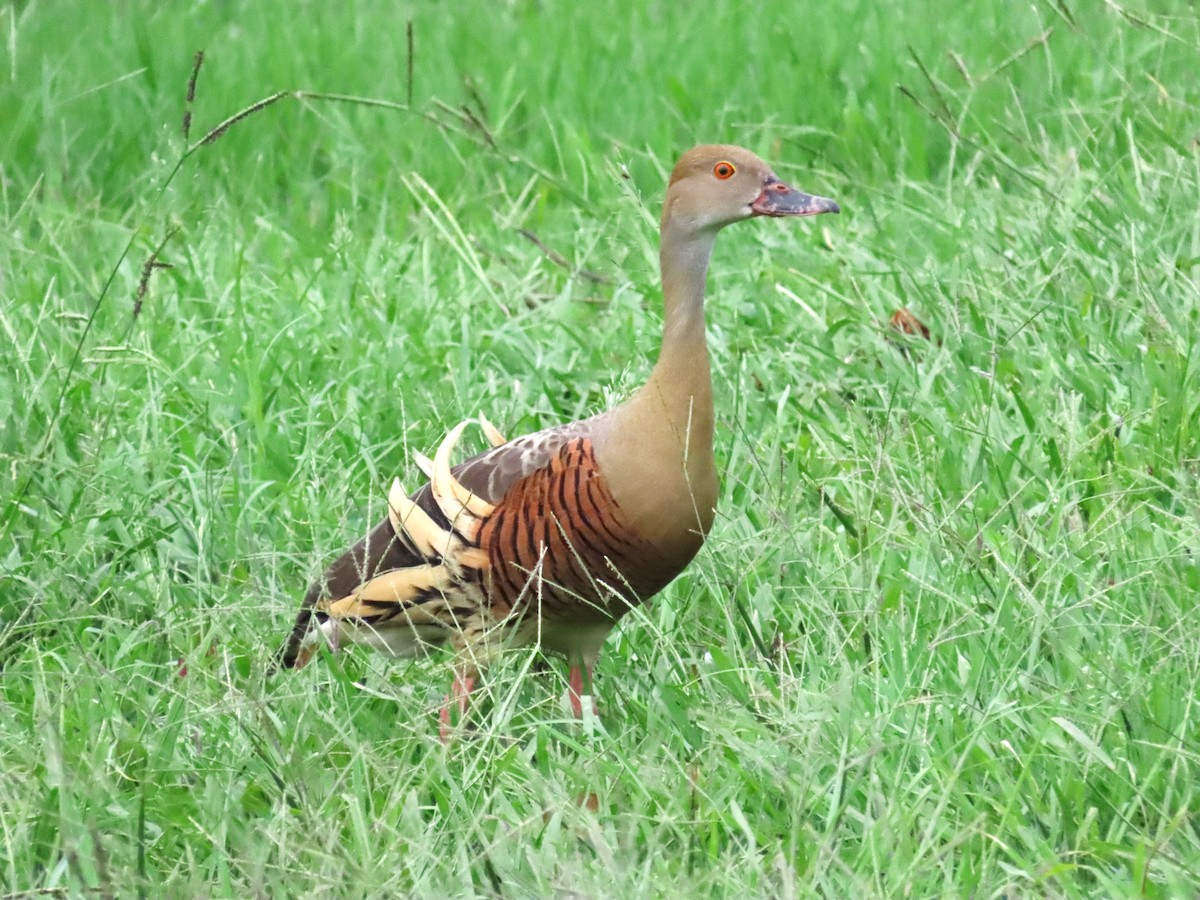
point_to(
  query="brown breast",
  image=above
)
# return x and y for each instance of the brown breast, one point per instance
(558, 538)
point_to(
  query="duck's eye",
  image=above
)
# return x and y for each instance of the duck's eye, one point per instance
(724, 170)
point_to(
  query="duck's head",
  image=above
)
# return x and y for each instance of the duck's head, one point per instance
(714, 185)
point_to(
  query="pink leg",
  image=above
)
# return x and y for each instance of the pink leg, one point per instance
(577, 690)
(460, 694)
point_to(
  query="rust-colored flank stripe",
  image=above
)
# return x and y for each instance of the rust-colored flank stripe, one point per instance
(526, 533)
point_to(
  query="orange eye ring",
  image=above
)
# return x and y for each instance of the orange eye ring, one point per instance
(724, 170)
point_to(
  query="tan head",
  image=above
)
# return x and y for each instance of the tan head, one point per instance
(714, 185)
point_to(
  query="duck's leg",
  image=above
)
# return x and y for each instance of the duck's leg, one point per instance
(581, 685)
(459, 696)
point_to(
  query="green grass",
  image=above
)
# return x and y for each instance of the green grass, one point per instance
(943, 641)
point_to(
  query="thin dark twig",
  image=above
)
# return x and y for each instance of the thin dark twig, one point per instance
(1030, 46)
(351, 98)
(756, 637)
(148, 267)
(559, 260)
(219, 130)
(191, 95)
(947, 115)
(472, 90)
(478, 123)
(1066, 14)
(408, 84)
(838, 513)
(925, 109)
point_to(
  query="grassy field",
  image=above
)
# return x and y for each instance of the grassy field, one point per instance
(943, 641)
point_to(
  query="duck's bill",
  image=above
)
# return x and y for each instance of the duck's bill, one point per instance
(777, 199)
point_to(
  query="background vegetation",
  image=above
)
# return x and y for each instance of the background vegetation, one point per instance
(943, 640)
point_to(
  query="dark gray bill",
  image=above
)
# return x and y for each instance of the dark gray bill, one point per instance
(777, 199)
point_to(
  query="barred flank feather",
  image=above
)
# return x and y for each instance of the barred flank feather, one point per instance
(556, 540)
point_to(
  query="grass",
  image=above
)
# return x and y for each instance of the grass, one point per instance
(943, 639)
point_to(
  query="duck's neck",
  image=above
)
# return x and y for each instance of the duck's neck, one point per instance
(680, 386)
(657, 449)
(667, 426)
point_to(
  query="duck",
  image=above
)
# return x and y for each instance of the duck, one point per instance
(549, 539)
